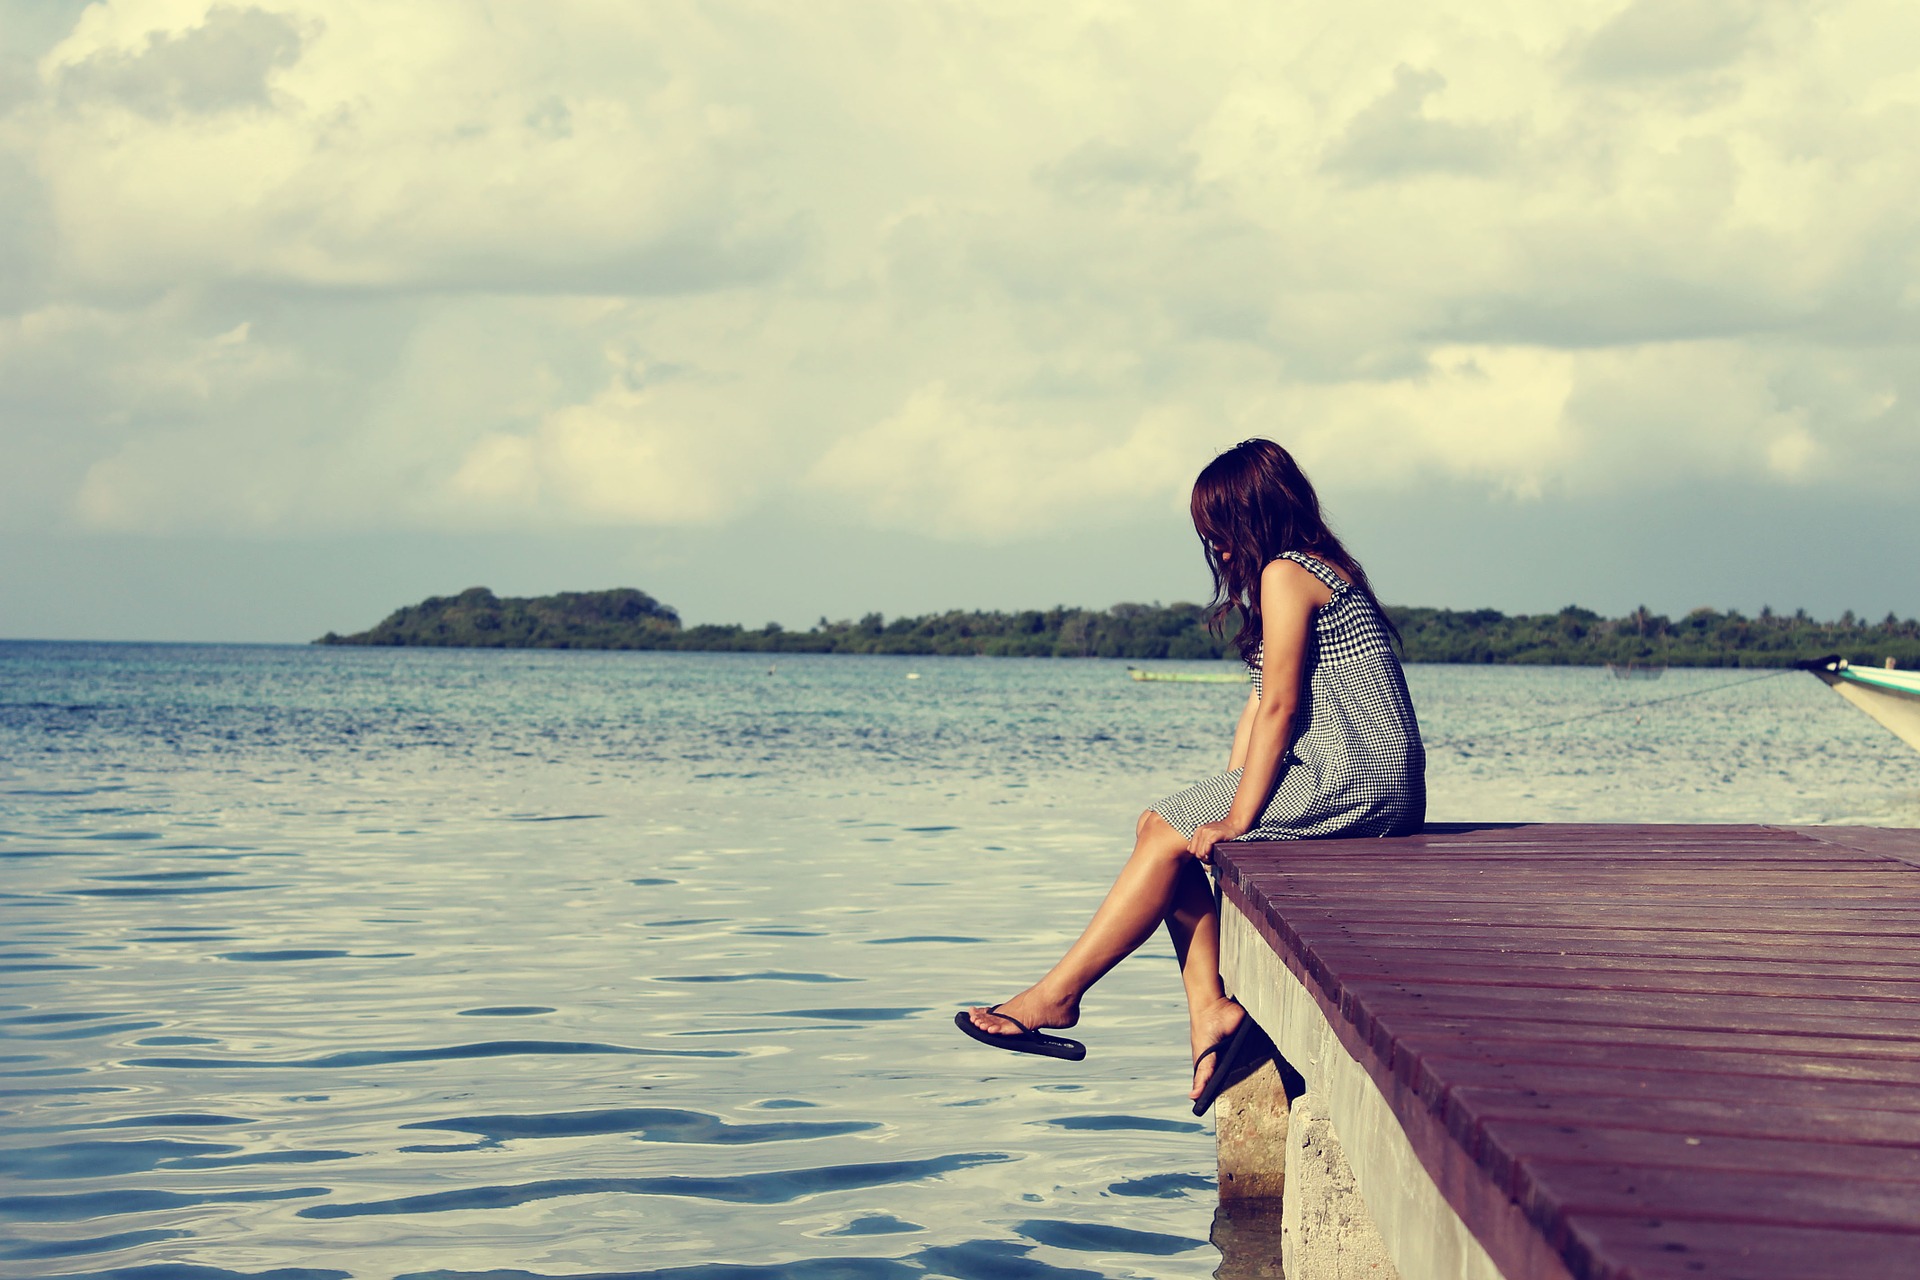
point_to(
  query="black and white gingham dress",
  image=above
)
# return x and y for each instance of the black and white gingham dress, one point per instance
(1356, 766)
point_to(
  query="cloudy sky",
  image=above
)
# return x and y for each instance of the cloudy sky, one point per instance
(311, 308)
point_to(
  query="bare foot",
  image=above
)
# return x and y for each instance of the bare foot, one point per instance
(1033, 1006)
(1211, 1025)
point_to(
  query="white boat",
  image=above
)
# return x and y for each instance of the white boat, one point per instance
(1889, 696)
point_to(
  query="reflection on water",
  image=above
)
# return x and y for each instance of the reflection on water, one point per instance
(340, 963)
(1248, 1238)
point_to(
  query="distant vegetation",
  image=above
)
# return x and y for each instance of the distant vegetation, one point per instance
(1703, 638)
(628, 619)
(478, 619)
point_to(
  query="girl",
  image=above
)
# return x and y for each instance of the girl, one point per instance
(1326, 746)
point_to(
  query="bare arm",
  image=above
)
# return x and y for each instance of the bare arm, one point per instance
(1242, 731)
(1288, 597)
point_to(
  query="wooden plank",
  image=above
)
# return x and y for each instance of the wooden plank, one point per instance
(1902, 845)
(1653, 872)
(1773, 1076)
(1560, 1188)
(1752, 1043)
(1616, 893)
(1560, 833)
(1508, 1143)
(1653, 953)
(1400, 858)
(1463, 1074)
(1836, 1014)
(1616, 973)
(1696, 1117)
(1570, 979)
(1590, 861)
(1896, 922)
(1427, 885)
(1645, 881)
(1601, 940)
(1655, 1248)
(1366, 1006)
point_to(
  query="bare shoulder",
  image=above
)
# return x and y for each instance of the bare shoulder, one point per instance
(1285, 581)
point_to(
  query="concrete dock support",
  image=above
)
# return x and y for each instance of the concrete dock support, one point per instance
(1354, 1200)
(1289, 1205)
(1250, 1120)
(1326, 1232)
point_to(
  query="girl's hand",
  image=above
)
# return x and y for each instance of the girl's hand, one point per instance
(1207, 836)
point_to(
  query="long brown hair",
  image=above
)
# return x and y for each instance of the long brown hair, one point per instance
(1254, 502)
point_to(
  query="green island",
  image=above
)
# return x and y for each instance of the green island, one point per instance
(628, 619)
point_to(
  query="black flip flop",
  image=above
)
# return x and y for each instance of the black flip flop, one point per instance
(1247, 1036)
(1028, 1041)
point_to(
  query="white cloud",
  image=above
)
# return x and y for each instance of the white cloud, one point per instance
(950, 467)
(372, 146)
(982, 270)
(614, 460)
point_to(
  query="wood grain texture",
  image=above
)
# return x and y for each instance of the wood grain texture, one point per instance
(1676, 1050)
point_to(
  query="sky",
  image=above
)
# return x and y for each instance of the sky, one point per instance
(313, 308)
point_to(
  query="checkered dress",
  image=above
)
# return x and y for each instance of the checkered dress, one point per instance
(1356, 766)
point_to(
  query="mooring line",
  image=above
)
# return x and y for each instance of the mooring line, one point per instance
(1609, 711)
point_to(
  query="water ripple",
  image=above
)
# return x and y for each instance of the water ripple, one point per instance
(765, 975)
(1163, 1186)
(996, 1260)
(23, 1251)
(849, 1015)
(46, 1019)
(180, 891)
(170, 1119)
(799, 1269)
(1094, 1237)
(919, 937)
(387, 1057)
(876, 1224)
(194, 1271)
(90, 1032)
(652, 1124)
(780, 1187)
(100, 1204)
(101, 1159)
(1107, 1124)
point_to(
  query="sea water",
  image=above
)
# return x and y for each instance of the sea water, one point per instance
(376, 963)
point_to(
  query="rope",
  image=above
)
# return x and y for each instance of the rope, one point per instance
(1610, 711)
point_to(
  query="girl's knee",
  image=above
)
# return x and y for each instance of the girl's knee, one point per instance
(1153, 834)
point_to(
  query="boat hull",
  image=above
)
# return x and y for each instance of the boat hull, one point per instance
(1891, 697)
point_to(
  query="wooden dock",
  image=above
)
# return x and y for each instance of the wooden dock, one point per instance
(1587, 1051)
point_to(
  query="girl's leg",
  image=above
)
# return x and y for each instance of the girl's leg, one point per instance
(1194, 926)
(1161, 881)
(1193, 922)
(1131, 911)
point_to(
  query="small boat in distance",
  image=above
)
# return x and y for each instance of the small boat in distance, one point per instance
(1635, 671)
(1888, 695)
(1190, 677)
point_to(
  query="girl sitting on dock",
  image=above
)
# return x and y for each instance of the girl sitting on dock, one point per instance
(1330, 748)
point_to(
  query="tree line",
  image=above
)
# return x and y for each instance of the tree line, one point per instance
(630, 619)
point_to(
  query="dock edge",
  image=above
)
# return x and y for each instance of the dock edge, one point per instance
(1422, 1235)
